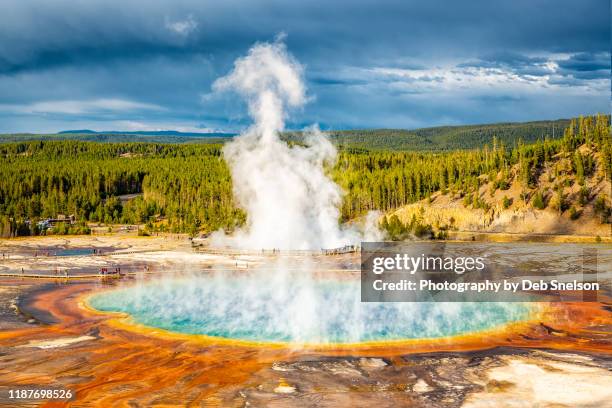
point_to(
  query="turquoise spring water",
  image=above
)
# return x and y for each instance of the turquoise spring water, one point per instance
(302, 310)
(74, 252)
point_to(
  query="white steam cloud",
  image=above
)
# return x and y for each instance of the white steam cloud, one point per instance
(290, 200)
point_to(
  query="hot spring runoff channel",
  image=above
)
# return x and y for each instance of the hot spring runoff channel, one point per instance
(294, 308)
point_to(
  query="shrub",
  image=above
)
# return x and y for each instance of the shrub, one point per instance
(467, 200)
(583, 196)
(60, 229)
(79, 229)
(442, 234)
(559, 203)
(573, 213)
(481, 203)
(394, 228)
(600, 204)
(538, 201)
(504, 185)
(423, 231)
(506, 202)
(601, 208)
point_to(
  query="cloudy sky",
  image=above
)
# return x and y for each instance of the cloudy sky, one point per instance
(149, 65)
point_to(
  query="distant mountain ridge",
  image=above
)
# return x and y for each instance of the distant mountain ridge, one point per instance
(146, 133)
(86, 135)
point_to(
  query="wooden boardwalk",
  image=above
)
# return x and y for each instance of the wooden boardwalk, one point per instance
(277, 252)
(74, 276)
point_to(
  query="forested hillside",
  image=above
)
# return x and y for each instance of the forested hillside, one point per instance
(445, 138)
(187, 187)
(441, 138)
(385, 180)
(548, 187)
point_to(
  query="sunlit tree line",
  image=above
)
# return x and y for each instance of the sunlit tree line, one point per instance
(187, 187)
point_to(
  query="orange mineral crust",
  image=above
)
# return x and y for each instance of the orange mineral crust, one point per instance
(107, 361)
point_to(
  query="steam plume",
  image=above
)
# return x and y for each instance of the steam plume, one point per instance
(291, 203)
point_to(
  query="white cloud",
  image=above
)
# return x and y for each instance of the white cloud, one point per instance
(458, 78)
(543, 75)
(182, 27)
(78, 107)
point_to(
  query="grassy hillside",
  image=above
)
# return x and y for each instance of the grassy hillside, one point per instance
(442, 138)
(558, 202)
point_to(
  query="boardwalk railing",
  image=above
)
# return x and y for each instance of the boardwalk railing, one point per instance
(278, 252)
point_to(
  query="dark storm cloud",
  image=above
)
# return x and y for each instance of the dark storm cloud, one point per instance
(336, 81)
(519, 64)
(585, 62)
(564, 70)
(167, 53)
(49, 33)
(586, 65)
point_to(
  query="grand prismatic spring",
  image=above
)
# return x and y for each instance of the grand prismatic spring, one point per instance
(306, 311)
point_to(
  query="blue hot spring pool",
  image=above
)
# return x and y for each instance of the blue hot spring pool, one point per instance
(294, 309)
